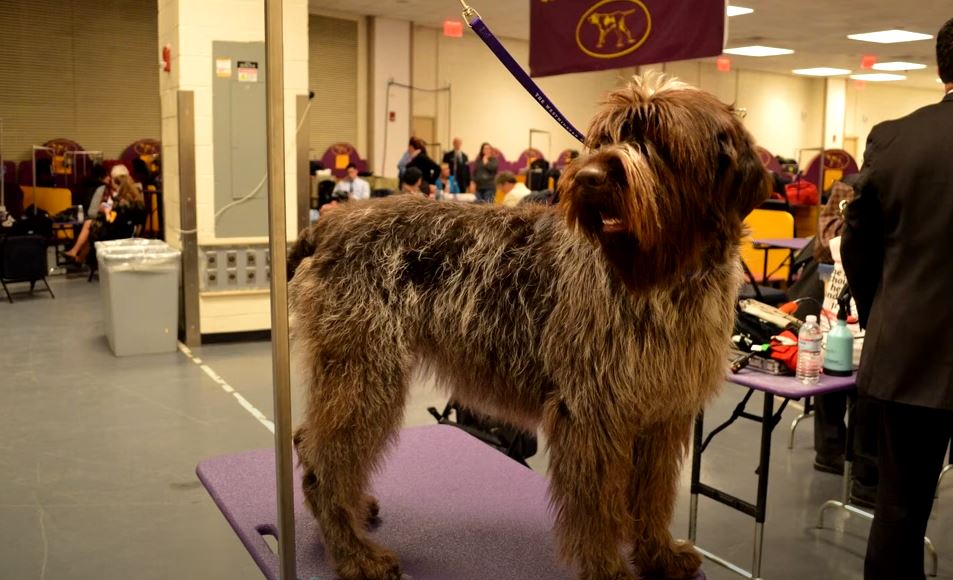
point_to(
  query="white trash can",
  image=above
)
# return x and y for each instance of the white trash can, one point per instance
(139, 284)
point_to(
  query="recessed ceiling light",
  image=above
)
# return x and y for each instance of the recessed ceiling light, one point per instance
(878, 77)
(739, 10)
(898, 66)
(758, 51)
(890, 36)
(821, 71)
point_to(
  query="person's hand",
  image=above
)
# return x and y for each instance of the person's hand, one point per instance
(433, 189)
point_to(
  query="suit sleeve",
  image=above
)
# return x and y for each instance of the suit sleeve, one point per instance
(862, 249)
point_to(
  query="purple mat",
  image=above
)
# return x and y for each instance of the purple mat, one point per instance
(452, 509)
(781, 243)
(789, 387)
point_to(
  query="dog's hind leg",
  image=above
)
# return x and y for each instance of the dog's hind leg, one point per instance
(657, 460)
(355, 409)
(589, 476)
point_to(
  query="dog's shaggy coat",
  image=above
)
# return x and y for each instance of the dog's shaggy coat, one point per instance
(605, 321)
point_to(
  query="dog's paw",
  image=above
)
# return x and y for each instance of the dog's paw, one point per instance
(370, 511)
(375, 564)
(679, 562)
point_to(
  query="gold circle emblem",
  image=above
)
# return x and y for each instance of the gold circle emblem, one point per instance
(610, 28)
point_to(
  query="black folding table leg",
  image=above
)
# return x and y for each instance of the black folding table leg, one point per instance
(762, 501)
(696, 476)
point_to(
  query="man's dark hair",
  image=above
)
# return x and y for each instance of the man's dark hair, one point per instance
(505, 177)
(413, 176)
(944, 52)
(350, 166)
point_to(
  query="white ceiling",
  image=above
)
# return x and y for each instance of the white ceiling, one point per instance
(815, 29)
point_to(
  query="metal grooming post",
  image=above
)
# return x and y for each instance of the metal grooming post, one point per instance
(549, 141)
(393, 83)
(281, 366)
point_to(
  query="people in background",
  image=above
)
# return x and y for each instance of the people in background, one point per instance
(459, 164)
(896, 241)
(420, 160)
(352, 185)
(413, 182)
(484, 174)
(126, 197)
(447, 183)
(513, 190)
(98, 182)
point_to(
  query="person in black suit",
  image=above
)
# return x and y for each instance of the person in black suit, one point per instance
(459, 164)
(419, 159)
(896, 243)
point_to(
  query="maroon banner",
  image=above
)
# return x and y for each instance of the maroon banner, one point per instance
(569, 36)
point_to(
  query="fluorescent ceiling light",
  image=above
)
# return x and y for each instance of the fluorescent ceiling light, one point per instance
(822, 71)
(878, 77)
(898, 66)
(739, 10)
(890, 36)
(758, 51)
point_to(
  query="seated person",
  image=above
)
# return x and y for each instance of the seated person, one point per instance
(447, 183)
(337, 198)
(412, 182)
(513, 189)
(352, 185)
(113, 214)
(100, 193)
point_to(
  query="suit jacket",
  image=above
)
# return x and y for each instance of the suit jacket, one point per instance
(898, 238)
(461, 172)
(426, 166)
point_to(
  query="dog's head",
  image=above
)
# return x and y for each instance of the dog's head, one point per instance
(668, 178)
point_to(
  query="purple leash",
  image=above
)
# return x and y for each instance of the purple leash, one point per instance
(483, 31)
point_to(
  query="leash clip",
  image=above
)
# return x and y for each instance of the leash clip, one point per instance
(468, 12)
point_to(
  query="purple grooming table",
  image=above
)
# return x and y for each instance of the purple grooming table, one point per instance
(789, 389)
(768, 244)
(796, 244)
(452, 508)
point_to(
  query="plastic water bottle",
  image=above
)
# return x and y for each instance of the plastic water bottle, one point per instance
(79, 214)
(809, 352)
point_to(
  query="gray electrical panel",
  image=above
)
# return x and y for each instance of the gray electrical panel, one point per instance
(239, 133)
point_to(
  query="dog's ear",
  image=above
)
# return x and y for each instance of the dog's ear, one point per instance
(750, 185)
(303, 248)
(618, 200)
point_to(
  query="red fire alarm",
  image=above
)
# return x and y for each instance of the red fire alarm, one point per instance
(724, 64)
(453, 28)
(392, 116)
(167, 58)
(868, 61)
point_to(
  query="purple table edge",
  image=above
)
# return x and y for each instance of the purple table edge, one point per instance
(448, 502)
(780, 243)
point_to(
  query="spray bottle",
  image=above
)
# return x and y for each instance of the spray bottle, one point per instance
(839, 359)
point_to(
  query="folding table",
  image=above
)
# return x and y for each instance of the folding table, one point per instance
(788, 389)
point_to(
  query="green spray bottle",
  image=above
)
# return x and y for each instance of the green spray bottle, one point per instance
(839, 358)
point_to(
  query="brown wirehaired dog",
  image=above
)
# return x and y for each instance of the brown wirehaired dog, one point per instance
(605, 320)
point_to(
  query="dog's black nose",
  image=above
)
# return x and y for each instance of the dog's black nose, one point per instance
(591, 176)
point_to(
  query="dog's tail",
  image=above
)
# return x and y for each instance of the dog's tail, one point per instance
(303, 248)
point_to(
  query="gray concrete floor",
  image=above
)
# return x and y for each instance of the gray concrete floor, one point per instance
(97, 459)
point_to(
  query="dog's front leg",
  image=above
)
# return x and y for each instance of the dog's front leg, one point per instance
(657, 459)
(589, 476)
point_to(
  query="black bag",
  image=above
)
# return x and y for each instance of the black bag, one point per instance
(538, 175)
(515, 443)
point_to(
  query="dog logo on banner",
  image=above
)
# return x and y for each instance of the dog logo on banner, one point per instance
(613, 28)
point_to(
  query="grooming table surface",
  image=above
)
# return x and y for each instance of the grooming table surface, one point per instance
(452, 509)
(788, 387)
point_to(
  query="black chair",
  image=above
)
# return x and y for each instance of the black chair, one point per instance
(128, 224)
(23, 259)
(754, 291)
